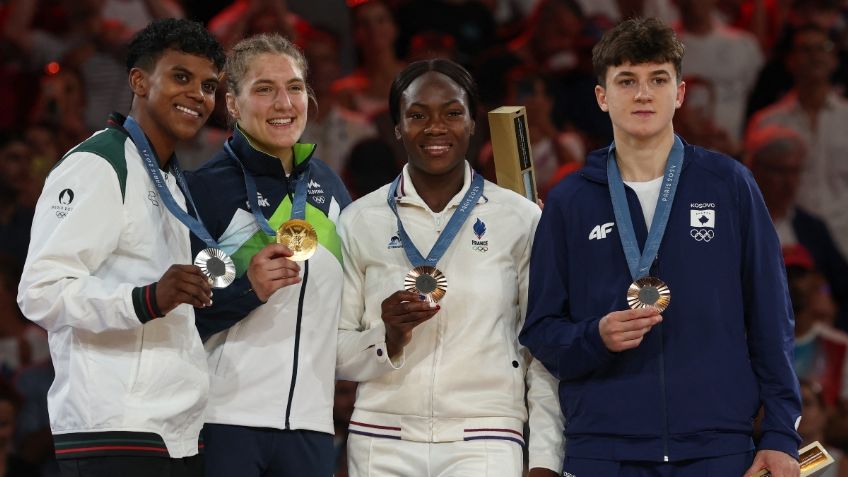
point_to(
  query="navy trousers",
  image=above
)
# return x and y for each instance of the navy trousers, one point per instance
(131, 466)
(725, 466)
(239, 451)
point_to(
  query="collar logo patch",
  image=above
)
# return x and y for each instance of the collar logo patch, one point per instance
(313, 187)
(479, 245)
(395, 242)
(703, 221)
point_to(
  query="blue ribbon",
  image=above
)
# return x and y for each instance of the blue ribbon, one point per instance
(451, 229)
(298, 200)
(640, 263)
(152, 166)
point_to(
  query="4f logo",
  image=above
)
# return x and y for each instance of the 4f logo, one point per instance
(600, 231)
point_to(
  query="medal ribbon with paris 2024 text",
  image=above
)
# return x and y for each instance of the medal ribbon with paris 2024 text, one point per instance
(298, 200)
(640, 264)
(152, 166)
(475, 190)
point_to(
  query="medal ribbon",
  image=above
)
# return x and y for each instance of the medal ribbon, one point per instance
(298, 200)
(152, 166)
(475, 190)
(640, 264)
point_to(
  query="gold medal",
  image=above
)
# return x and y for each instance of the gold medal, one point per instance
(300, 237)
(648, 291)
(217, 266)
(427, 281)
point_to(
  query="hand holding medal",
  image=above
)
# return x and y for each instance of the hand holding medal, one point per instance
(182, 284)
(300, 237)
(401, 312)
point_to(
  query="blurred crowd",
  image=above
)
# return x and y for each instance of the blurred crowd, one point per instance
(766, 84)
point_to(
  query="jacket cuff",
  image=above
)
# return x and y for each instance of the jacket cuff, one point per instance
(546, 461)
(779, 442)
(377, 337)
(596, 343)
(144, 303)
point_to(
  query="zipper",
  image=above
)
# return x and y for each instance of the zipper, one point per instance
(663, 396)
(297, 342)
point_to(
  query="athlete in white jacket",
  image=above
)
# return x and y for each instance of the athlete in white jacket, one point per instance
(442, 387)
(100, 276)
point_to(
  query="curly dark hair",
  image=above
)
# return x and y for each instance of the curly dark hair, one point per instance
(637, 41)
(176, 34)
(452, 70)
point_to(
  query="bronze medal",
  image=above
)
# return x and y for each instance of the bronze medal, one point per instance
(427, 281)
(648, 291)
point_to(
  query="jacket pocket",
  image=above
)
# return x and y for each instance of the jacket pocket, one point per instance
(219, 350)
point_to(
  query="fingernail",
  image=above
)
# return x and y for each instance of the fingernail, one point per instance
(210, 302)
(422, 297)
(438, 307)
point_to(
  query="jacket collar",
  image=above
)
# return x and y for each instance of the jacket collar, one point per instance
(262, 163)
(596, 162)
(406, 193)
(116, 122)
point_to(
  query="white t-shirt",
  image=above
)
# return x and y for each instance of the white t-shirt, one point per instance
(648, 194)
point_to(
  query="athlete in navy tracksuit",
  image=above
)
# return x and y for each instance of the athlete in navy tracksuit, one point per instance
(679, 393)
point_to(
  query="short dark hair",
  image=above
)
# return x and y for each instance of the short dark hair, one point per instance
(637, 41)
(452, 70)
(172, 34)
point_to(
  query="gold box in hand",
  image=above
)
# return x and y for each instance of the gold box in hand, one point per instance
(511, 148)
(813, 458)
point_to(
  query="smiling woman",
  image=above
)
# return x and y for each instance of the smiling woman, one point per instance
(412, 326)
(271, 383)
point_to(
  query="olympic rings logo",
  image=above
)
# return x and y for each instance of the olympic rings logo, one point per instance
(480, 248)
(704, 235)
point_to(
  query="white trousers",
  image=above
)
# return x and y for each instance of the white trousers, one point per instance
(380, 457)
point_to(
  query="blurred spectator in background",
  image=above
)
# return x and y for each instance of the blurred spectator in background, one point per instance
(776, 156)
(556, 41)
(333, 128)
(22, 343)
(11, 465)
(776, 77)
(814, 423)
(136, 14)
(821, 351)
(375, 33)
(15, 217)
(552, 148)
(60, 105)
(819, 115)
(32, 433)
(92, 44)
(332, 16)
(614, 11)
(431, 44)
(695, 119)
(372, 165)
(244, 18)
(470, 22)
(727, 58)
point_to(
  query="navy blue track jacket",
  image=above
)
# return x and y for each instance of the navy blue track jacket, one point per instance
(692, 388)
